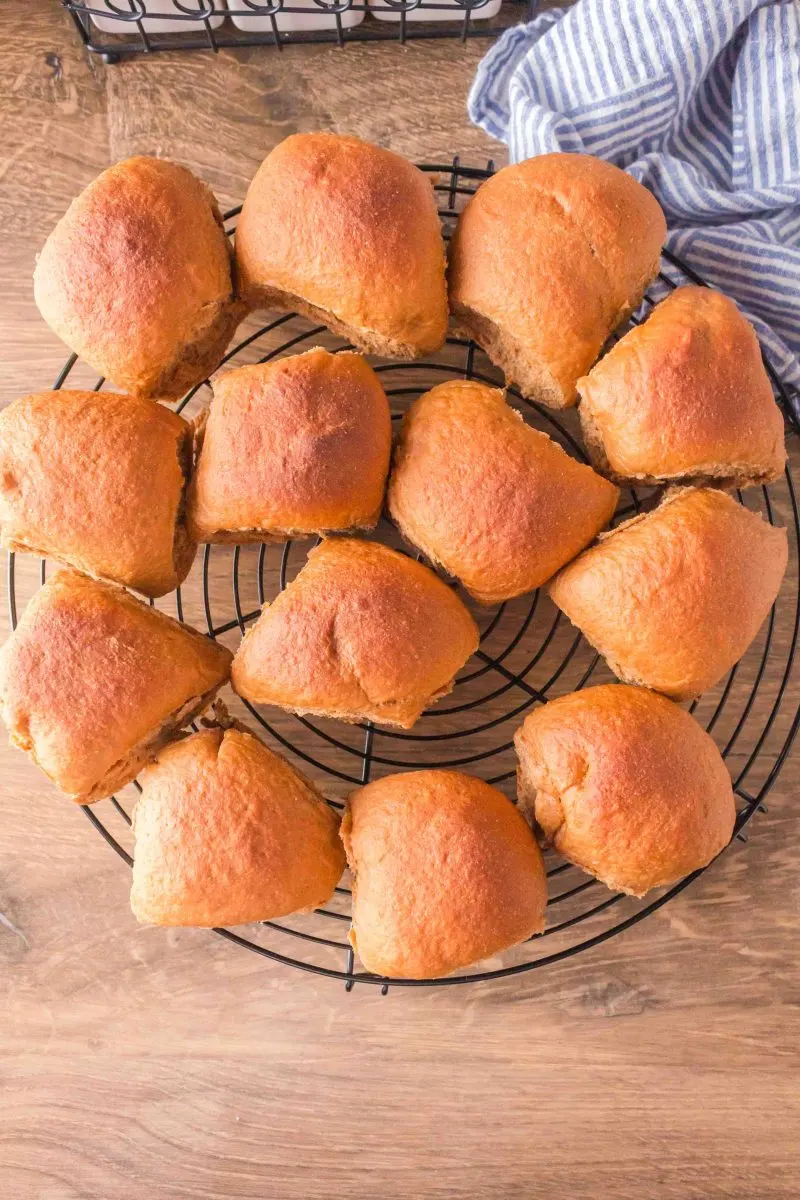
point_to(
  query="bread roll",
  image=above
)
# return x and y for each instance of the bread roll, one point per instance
(97, 481)
(361, 634)
(496, 503)
(292, 448)
(348, 234)
(228, 832)
(673, 598)
(93, 682)
(136, 278)
(625, 785)
(548, 257)
(445, 873)
(685, 397)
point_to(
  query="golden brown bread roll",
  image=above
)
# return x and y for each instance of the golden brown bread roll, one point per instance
(673, 598)
(496, 503)
(362, 634)
(136, 278)
(625, 785)
(227, 832)
(445, 873)
(292, 448)
(684, 397)
(97, 481)
(348, 234)
(93, 682)
(548, 257)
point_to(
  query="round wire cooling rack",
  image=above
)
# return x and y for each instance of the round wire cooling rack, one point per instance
(528, 654)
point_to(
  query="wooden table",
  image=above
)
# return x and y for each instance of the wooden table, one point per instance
(143, 1063)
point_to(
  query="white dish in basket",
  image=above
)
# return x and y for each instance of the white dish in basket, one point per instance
(159, 21)
(293, 22)
(452, 11)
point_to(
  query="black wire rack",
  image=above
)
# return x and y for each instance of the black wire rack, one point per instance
(223, 24)
(528, 655)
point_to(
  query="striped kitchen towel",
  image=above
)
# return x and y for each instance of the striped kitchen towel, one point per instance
(698, 99)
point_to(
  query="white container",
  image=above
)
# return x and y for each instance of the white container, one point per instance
(151, 24)
(294, 22)
(453, 12)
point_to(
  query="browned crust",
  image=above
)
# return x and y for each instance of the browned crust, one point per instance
(364, 339)
(528, 376)
(346, 233)
(136, 278)
(684, 398)
(184, 546)
(496, 503)
(626, 785)
(362, 633)
(97, 481)
(445, 873)
(673, 598)
(292, 448)
(122, 772)
(549, 257)
(267, 845)
(93, 681)
(198, 359)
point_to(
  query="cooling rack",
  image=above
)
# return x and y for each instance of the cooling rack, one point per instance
(208, 26)
(528, 655)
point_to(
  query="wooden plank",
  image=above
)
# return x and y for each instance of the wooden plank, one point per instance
(170, 1064)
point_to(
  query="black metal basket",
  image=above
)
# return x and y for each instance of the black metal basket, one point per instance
(528, 654)
(197, 26)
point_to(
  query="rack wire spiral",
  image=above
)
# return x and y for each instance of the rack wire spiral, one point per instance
(528, 654)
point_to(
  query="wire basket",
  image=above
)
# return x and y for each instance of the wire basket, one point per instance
(222, 24)
(528, 654)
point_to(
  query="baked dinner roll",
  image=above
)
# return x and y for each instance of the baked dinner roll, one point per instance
(348, 234)
(445, 873)
(98, 481)
(548, 257)
(625, 785)
(673, 598)
(228, 832)
(496, 503)
(136, 278)
(93, 682)
(684, 397)
(292, 448)
(362, 634)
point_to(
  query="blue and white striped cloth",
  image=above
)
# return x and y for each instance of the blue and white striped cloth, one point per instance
(698, 99)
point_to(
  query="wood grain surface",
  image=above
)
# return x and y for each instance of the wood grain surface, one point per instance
(139, 1063)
